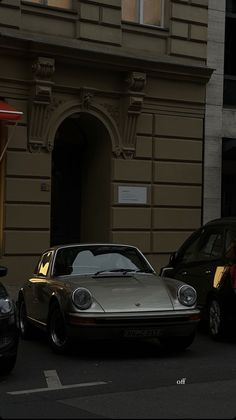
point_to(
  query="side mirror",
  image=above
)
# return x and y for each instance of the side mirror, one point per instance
(173, 257)
(3, 271)
(165, 271)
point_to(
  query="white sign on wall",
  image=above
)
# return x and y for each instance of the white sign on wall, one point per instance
(132, 195)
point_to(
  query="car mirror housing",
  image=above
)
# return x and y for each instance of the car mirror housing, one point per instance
(173, 257)
(166, 271)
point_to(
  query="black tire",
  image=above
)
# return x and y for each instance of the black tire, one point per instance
(7, 364)
(26, 329)
(57, 331)
(177, 343)
(216, 320)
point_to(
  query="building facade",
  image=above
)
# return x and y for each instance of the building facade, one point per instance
(220, 124)
(111, 143)
(213, 188)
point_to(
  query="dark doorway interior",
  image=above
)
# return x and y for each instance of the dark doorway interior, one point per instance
(67, 163)
(228, 177)
(81, 181)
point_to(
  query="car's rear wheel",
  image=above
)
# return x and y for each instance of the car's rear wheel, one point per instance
(216, 322)
(57, 331)
(26, 329)
(177, 343)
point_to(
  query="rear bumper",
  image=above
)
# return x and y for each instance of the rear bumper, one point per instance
(105, 327)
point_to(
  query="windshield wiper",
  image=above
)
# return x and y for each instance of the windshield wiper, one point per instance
(117, 270)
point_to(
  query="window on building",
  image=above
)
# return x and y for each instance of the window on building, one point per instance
(64, 4)
(231, 6)
(145, 12)
(228, 185)
(230, 56)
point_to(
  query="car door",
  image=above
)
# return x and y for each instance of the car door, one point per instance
(37, 286)
(197, 262)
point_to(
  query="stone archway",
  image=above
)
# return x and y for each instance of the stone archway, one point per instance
(81, 178)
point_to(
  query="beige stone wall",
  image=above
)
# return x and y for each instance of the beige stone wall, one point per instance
(169, 163)
(26, 211)
(184, 34)
(174, 185)
(93, 49)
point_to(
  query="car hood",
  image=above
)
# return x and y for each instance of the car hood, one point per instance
(122, 293)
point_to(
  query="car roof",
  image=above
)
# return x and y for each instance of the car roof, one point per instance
(55, 247)
(222, 220)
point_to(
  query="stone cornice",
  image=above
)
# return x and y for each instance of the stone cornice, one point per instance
(110, 57)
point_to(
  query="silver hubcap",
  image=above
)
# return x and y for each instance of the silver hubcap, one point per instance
(214, 317)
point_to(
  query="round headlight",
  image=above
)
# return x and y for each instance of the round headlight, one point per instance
(82, 298)
(5, 306)
(187, 295)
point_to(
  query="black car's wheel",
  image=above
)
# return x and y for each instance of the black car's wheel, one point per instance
(26, 329)
(57, 330)
(216, 321)
(7, 364)
(177, 343)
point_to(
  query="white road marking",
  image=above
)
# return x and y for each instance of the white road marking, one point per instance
(52, 379)
(31, 391)
(54, 384)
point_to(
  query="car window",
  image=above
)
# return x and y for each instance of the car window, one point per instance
(230, 244)
(207, 246)
(43, 266)
(211, 247)
(89, 260)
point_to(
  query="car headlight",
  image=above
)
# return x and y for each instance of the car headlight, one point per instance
(187, 295)
(6, 306)
(82, 298)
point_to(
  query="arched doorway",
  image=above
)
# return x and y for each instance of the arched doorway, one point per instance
(81, 174)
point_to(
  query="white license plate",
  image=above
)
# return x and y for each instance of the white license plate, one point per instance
(141, 332)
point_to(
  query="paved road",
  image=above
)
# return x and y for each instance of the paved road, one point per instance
(122, 381)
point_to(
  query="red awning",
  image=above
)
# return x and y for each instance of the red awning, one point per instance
(7, 112)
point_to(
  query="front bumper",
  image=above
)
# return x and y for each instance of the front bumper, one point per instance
(165, 324)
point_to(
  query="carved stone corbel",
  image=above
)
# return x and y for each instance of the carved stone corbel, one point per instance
(132, 108)
(86, 98)
(136, 81)
(41, 97)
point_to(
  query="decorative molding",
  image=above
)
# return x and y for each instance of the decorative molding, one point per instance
(40, 100)
(136, 81)
(113, 111)
(132, 107)
(60, 109)
(86, 98)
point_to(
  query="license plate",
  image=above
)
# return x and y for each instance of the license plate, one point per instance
(141, 332)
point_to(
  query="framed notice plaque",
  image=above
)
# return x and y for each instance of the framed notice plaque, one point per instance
(132, 195)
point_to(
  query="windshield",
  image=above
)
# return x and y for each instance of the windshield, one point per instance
(97, 259)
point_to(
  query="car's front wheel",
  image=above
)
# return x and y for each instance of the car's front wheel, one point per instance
(216, 323)
(57, 330)
(26, 329)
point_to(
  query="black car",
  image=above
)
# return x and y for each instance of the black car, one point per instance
(206, 261)
(9, 331)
